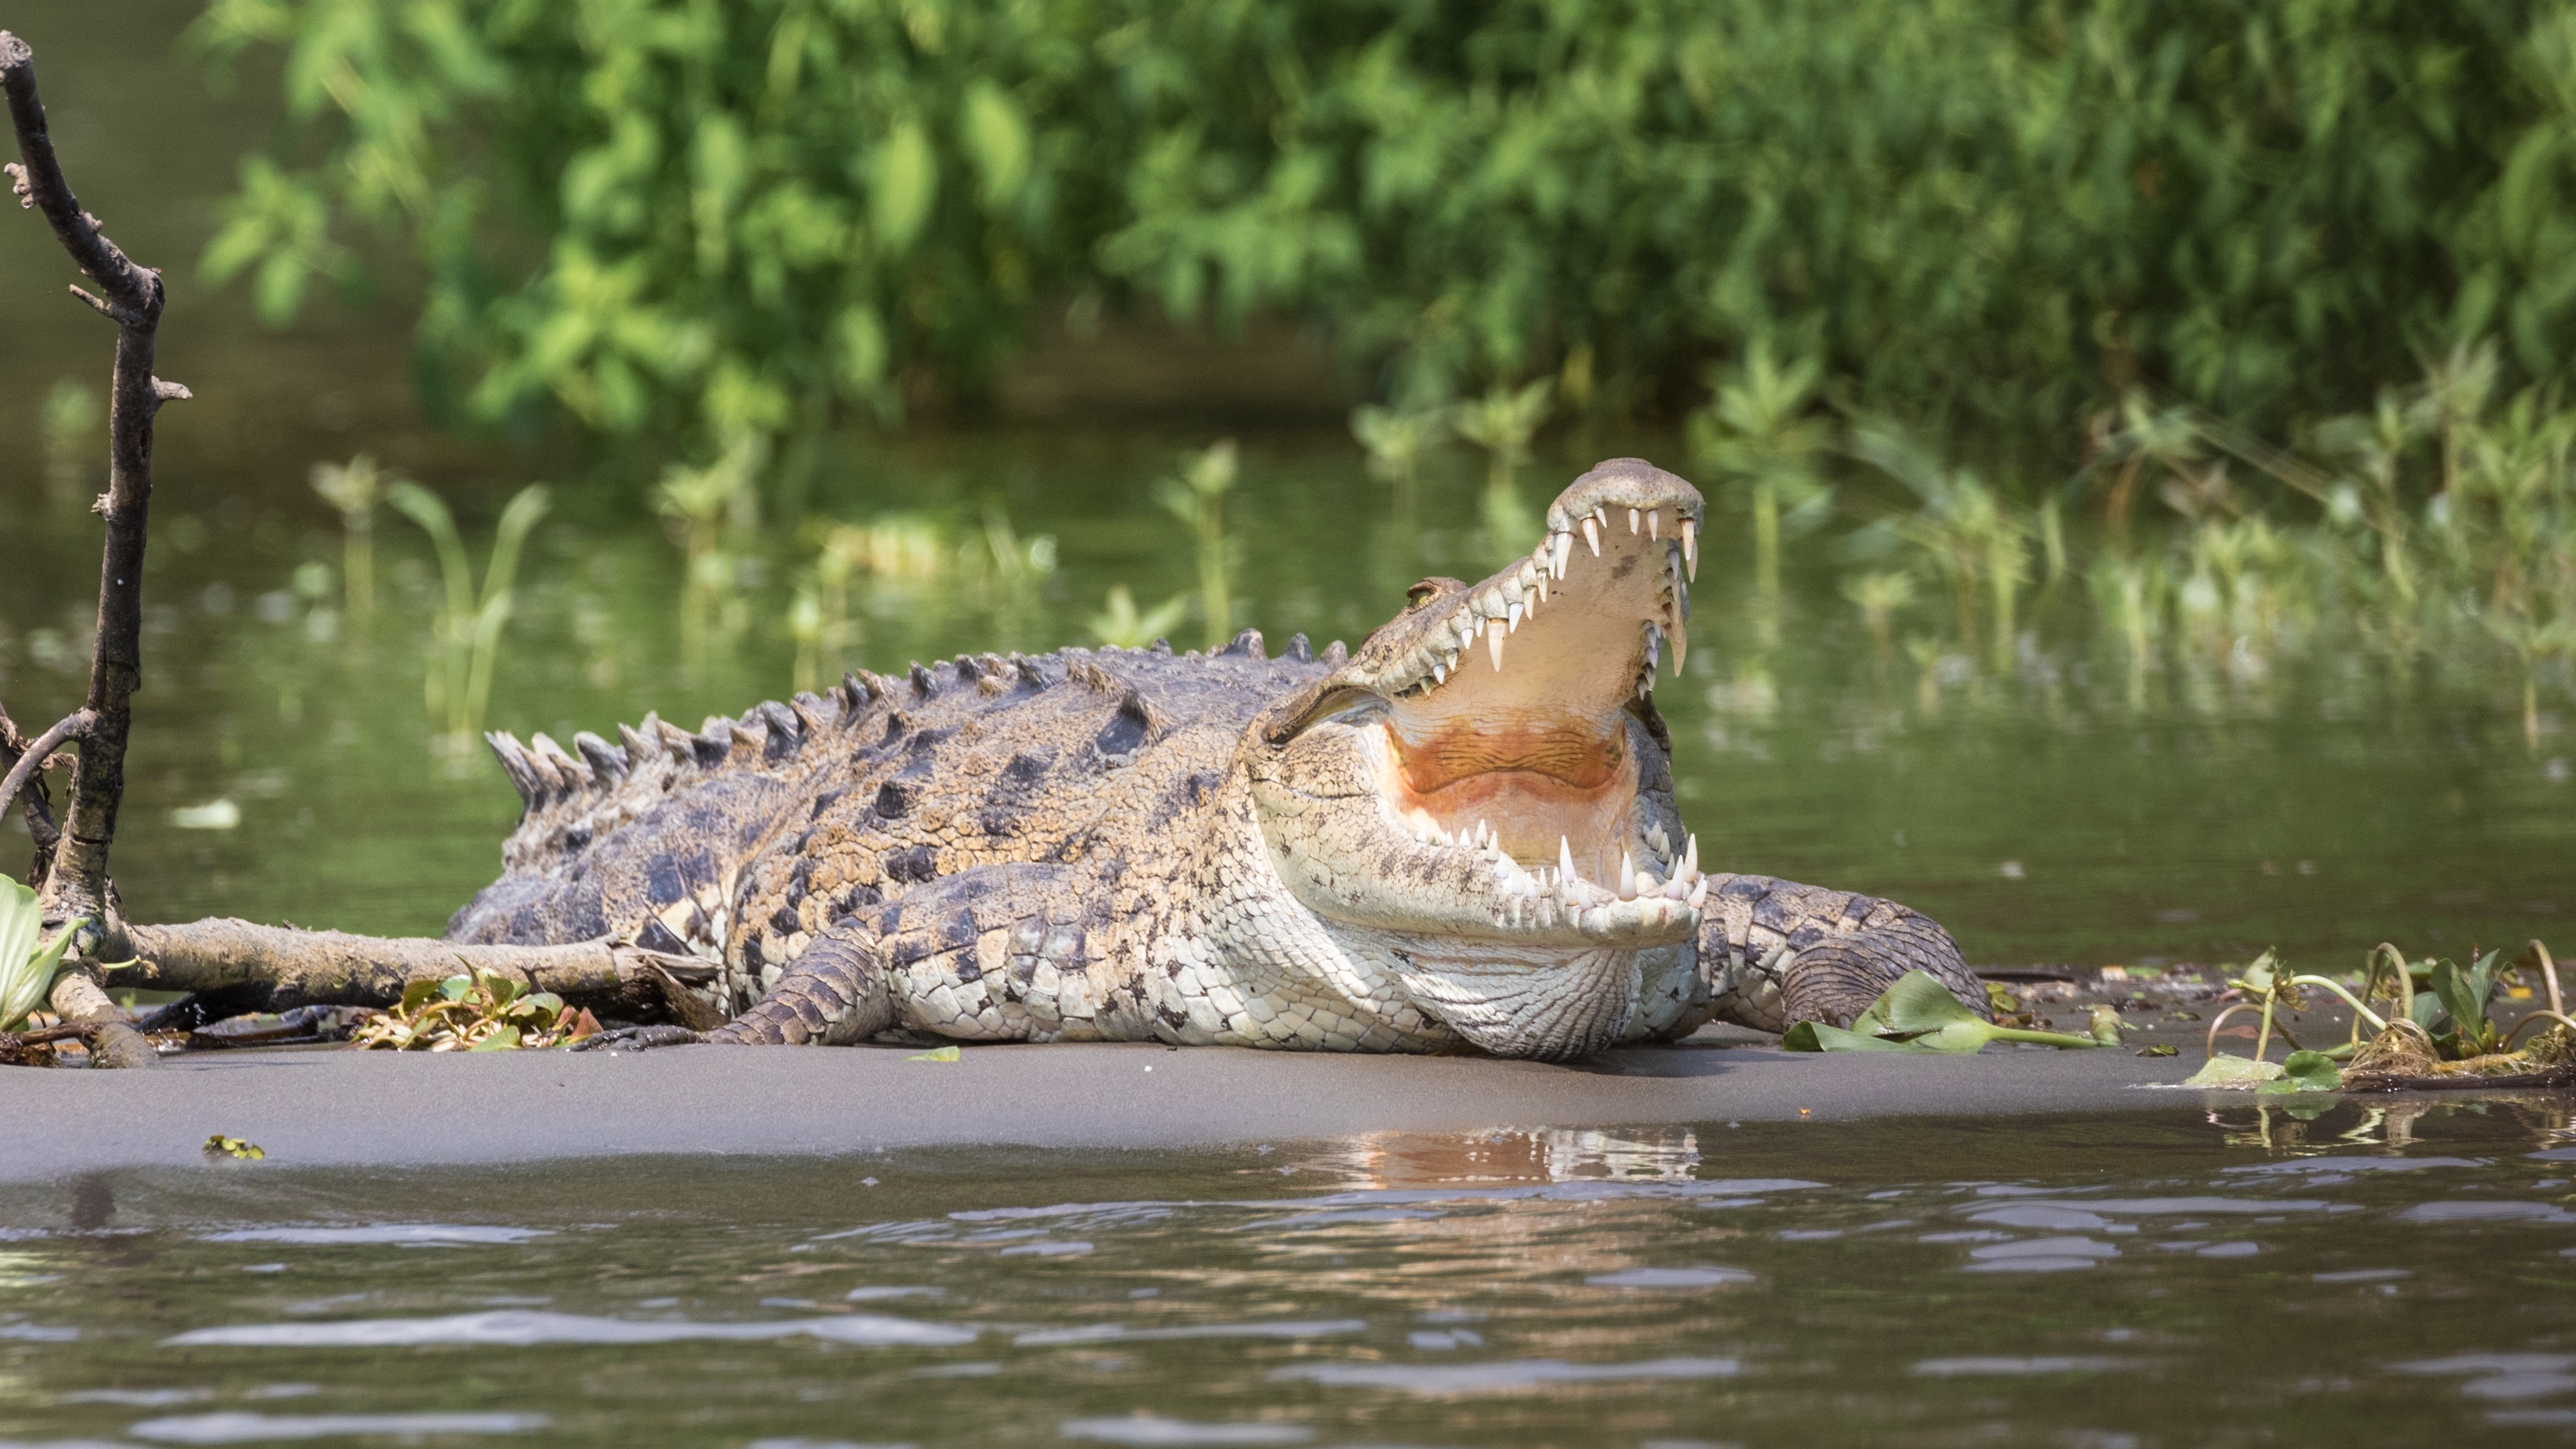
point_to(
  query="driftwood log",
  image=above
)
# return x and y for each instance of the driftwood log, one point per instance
(249, 967)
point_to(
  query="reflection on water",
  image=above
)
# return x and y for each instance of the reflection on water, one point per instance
(2148, 1279)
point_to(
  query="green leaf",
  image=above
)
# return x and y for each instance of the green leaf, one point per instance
(506, 1039)
(2106, 1025)
(906, 181)
(2226, 1072)
(2305, 1071)
(1916, 1003)
(27, 969)
(938, 1054)
(2258, 977)
(2459, 996)
(1815, 1036)
(455, 987)
(997, 137)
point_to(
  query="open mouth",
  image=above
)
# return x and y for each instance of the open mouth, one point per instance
(1508, 724)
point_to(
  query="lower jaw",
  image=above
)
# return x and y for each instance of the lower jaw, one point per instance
(1534, 1002)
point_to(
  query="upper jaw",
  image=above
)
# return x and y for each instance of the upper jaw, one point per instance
(1623, 538)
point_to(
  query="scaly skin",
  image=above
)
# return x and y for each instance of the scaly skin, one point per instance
(1458, 835)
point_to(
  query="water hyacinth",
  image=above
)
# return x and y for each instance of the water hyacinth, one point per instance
(481, 1012)
(27, 967)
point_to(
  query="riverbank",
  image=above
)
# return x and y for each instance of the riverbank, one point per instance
(336, 1107)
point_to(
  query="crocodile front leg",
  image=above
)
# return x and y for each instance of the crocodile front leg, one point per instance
(1777, 953)
(833, 993)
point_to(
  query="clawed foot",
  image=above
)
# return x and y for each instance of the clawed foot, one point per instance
(640, 1038)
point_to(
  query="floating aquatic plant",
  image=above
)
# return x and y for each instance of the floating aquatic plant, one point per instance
(481, 1012)
(1918, 1013)
(2442, 1036)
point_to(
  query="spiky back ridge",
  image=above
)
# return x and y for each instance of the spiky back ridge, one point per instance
(572, 797)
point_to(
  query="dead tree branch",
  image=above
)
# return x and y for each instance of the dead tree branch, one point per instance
(131, 296)
(34, 805)
(251, 967)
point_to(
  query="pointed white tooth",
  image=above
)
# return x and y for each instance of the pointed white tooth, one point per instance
(1690, 545)
(1440, 674)
(1627, 877)
(1542, 588)
(1601, 514)
(1681, 644)
(1676, 889)
(1592, 536)
(1494, 644)
(1699, 894)
(1632, 520)
(1565, 860)
(1655, 523)
(1514, 616)
(1564, 550)
(1690, 855)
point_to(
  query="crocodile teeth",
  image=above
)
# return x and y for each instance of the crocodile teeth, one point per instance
(1592, 536)
(1690, 856)
(1627, 871)
(1681, 643)
(1632, 520)
(1698, 898)
(1494, 643)
(1512, 615)
(1655, 523)
(1564, 551)
(1690, 546)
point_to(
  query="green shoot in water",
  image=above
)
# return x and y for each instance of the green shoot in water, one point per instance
(1502, 423)
(355, 488)
(1197, 498)
(468, 627)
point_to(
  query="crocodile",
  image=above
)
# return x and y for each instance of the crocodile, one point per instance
(1462, 835)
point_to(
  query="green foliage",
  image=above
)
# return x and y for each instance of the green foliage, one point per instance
(27, 961)
(478, 1012)
(710, 217)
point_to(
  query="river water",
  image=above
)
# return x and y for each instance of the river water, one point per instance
(2169, 1276)
(2172, 1277)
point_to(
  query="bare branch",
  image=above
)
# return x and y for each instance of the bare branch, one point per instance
(70, 727)
(40, 184)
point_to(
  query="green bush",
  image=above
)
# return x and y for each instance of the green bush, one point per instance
(718, 216)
